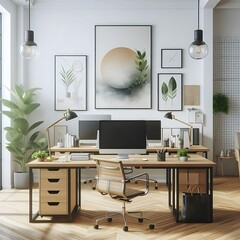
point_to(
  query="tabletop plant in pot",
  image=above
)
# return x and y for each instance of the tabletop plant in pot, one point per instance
(41, 154)
(21, 135)
(182, 154)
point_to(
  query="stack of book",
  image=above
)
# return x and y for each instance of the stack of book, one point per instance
(79, 156)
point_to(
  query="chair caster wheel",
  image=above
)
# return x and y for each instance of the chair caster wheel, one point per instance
(109, 219)
(156, 188)
(125, 228)
(136, 182)
(84, 182)
(140, 220)
(96, 226)
(93, 188)
(151, 226)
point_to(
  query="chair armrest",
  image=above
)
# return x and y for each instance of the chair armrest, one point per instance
(146, 180)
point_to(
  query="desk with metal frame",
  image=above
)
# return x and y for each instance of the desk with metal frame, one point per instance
(172, 164)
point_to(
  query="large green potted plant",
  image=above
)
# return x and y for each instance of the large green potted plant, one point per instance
(22, 135)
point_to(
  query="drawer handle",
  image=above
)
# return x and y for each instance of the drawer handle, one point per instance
(54, 180)
(53, 203)
(53, 169)
(53, 192)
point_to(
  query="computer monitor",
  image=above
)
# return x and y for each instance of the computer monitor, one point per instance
(122, 137)
(153, 128)
(88, 126)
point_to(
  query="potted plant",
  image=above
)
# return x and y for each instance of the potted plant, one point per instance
(21, 135)
(220, 103)
(182, 154)
(40, 155)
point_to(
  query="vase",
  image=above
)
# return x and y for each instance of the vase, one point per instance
(21, 180)
(183, 158)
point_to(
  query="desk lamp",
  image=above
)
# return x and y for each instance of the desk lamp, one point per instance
(68, 115)
(169, 115)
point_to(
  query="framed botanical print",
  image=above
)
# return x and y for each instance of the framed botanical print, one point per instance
(171, 58)
(123, 66)
(170, 88)
(70, 82)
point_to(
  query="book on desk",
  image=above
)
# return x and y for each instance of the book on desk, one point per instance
(79, 156)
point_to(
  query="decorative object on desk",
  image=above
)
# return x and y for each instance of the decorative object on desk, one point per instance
(198, 48)
(199, 117)
(21, 135)
(171, 58)
(59, 132)
(161, 155)
(29, 49)
(196, 207)
(166, 142)
(180, 142)
(169, 91)
(169, 115)
(40, 155)
(68, 115)
(71, 82)
(123, 66)
(220, 103)
(182, 154)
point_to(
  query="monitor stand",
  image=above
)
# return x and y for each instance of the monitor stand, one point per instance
(122, 157)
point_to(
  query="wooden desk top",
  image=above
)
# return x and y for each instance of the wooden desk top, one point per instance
(94, 149)
(134, 161)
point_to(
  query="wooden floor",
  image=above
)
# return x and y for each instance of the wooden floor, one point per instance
(14, 222)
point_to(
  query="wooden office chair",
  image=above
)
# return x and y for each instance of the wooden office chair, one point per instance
(112, 180)
(237, 149)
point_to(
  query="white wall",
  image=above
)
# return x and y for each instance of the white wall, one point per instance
(60, 30)
(9, 16)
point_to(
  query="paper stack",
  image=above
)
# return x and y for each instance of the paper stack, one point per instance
(79, 156)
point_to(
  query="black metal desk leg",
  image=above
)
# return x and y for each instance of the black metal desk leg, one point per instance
(30, 194)
(177, 198)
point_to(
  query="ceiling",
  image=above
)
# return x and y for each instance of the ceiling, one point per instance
(165, 3)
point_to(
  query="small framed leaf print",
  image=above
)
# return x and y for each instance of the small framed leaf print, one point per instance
(170, 92)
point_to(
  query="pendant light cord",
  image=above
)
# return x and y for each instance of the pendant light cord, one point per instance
(198, 14)
(29, 14)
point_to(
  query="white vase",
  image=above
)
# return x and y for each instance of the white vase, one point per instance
(21, 180)
(184, 158)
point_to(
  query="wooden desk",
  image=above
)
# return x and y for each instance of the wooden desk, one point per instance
(95, 150)
(173, 165)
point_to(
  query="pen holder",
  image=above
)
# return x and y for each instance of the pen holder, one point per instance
(161, 156)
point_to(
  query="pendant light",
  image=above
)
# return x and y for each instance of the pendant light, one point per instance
(198, 49)
(29, 49)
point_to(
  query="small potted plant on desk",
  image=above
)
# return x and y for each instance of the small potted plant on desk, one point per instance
(40, 155)
(182, 154)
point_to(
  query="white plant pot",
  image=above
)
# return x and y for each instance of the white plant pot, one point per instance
(185, 158)
(21, 180)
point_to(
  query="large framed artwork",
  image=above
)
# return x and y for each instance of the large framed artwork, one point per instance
(70, 82)
(123, 66)
(170, 92)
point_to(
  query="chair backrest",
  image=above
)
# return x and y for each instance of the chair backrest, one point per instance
(110, 177)
(237, 145)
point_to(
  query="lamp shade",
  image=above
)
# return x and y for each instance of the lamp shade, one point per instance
(169, 115)
(29, 49)
(198, 48)
(69, 115)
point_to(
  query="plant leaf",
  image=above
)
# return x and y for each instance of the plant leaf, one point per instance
(172, 88)
(164, 89)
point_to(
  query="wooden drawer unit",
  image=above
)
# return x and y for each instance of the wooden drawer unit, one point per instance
(54, 193)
